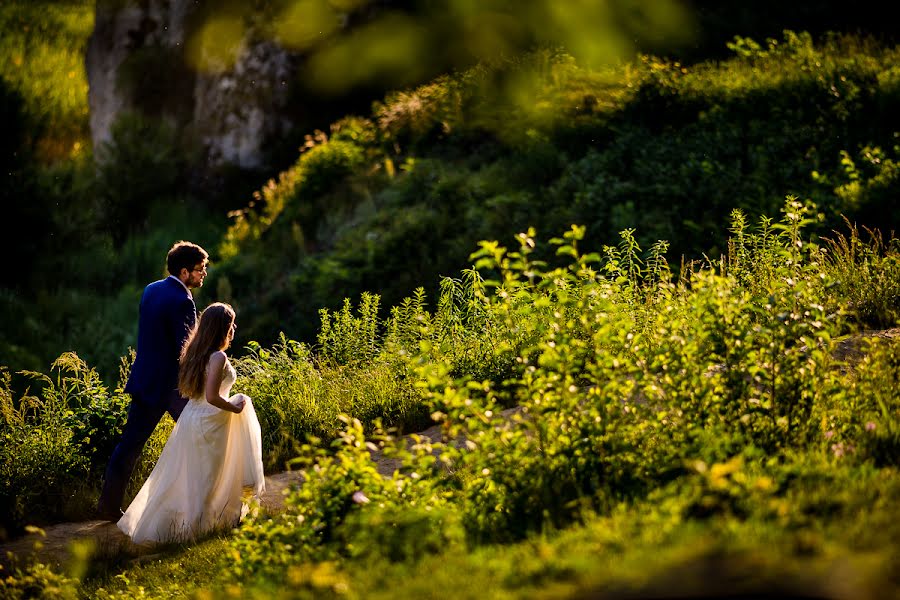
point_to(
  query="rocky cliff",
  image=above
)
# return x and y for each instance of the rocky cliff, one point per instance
(137, 62)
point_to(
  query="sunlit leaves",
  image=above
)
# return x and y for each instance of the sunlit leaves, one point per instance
(305, 23)
(352, 42)
(42, 61)
(391, 49)
(217, 46)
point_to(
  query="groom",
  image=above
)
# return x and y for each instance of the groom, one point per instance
(167, 314)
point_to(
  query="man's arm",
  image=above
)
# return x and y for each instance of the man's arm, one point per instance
(184, 319)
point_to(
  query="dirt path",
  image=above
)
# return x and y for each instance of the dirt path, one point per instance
(55, 544)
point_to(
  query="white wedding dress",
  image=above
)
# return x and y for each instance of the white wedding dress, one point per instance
(198, 482)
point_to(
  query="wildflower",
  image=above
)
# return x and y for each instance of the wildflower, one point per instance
(360, 498)
(840, 449)
(829, 434)
(870, 426)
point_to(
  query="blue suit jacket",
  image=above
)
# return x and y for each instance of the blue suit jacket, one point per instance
(167, 314)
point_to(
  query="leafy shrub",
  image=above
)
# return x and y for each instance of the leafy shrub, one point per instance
(309, 521)
(289, 395)
(345, 339)
(42, 473)
(327, 164)
(865, 423)
(356, 130)
(95, 416)
(56, 443)
(867, 273)
(715, 371)
(38, 580)
(658, 146)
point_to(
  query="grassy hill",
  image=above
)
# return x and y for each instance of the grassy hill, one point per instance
(389, 201)
(704, 437)
(686, 425)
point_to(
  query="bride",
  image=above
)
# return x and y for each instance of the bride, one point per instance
(214, 451)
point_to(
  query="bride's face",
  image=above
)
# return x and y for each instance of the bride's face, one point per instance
(230, 336)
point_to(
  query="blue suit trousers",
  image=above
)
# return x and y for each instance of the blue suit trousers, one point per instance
(143, 417)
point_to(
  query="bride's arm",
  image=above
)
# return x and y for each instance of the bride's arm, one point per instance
(214, 382)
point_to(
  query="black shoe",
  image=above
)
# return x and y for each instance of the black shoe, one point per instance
(112, 516)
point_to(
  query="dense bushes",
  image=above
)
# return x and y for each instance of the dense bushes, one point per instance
(388, 203)
(715, 398)
(663, 147)
(720, 392)
(54, 442)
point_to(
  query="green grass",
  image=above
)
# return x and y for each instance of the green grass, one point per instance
(42, 58)
(646, 549)
(688, 432)
(700, 437)
(651, 144)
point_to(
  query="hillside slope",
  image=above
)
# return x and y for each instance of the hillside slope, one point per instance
(393, 200)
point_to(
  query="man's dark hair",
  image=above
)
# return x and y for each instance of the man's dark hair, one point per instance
(184, 255)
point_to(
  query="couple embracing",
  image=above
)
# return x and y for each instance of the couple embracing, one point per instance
(215, 448)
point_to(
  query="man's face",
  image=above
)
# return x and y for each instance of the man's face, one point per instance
(196, 276)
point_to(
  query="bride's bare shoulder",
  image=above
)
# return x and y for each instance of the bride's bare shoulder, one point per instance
(217, 359)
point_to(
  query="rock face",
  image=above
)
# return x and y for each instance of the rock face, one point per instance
(238, 111)
(136, 63)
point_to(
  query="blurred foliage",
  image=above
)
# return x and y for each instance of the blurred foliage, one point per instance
(352, 43)
(43, 47)
(138, 167)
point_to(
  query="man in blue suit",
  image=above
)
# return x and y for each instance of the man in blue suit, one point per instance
(167, 314)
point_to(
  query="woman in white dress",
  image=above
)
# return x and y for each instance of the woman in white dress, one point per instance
(214, 451)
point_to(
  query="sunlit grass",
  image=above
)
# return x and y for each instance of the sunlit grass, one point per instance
(174, 571)
(641, 548)
(42, 52)
(577, 497)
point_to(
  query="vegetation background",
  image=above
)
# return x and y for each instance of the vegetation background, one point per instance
(691, 412)
(85, 240)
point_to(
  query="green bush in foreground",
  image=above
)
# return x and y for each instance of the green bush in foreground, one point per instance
(719, 391)
(52, 442)
(716, 405)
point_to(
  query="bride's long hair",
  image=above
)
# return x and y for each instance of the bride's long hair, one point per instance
(211, 333)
